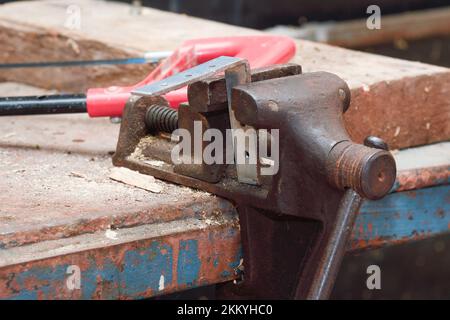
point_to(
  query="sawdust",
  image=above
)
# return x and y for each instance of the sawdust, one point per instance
(137, 153)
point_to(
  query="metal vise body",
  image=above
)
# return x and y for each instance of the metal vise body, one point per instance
(295, 221)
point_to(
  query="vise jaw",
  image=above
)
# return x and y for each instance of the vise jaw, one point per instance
(296, 203)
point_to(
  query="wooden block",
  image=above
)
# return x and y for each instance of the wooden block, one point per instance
(136, 179)
(405, 26)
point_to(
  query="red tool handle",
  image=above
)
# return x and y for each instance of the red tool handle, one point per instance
(260, 51)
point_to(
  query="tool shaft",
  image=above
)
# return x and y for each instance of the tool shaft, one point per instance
(47, 104)
(149, 57)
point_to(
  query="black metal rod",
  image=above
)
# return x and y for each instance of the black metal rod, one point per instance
(72, 63)
(148, 57)
(47, 104)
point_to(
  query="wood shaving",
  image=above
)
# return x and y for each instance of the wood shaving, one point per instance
(136, 179)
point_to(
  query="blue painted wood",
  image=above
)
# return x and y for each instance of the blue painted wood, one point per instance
(403, 216)
(399, 217)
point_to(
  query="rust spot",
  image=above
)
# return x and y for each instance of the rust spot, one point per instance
(423, 177)
(411, 194)
(440, 213)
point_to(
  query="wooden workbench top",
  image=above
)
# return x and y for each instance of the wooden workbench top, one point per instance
(54, 180)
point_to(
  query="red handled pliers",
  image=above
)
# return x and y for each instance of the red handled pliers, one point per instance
(259, 50)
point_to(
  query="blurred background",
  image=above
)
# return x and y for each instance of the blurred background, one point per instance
(414, 30)
(417, 30)
(261, 14)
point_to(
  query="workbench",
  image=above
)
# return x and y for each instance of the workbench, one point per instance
(59, 208)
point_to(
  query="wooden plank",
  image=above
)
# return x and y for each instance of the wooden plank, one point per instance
(407, 26)
(155, 259)
(401, 217)
(140, 262)
(405, 103)
(429, 167)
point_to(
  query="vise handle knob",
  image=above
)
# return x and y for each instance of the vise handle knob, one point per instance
(369, 171)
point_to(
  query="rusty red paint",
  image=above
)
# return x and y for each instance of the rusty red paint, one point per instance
(378, 242)
(109, 263)
(422, 178)
(204, 206)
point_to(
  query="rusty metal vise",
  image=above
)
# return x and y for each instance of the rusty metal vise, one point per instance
(294, 174)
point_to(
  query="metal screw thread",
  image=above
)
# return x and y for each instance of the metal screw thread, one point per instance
(161, 119)
(370, 172)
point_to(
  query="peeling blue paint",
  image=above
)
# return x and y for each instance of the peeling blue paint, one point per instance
(237, 259)
(216, 262)
(225, 274)
(143, 268)
(26, 295)
(231, 233)
(108, 275)
(405, 214)
(188, 267)
(44, 276)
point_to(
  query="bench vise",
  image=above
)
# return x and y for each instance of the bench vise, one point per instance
(273, 142)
